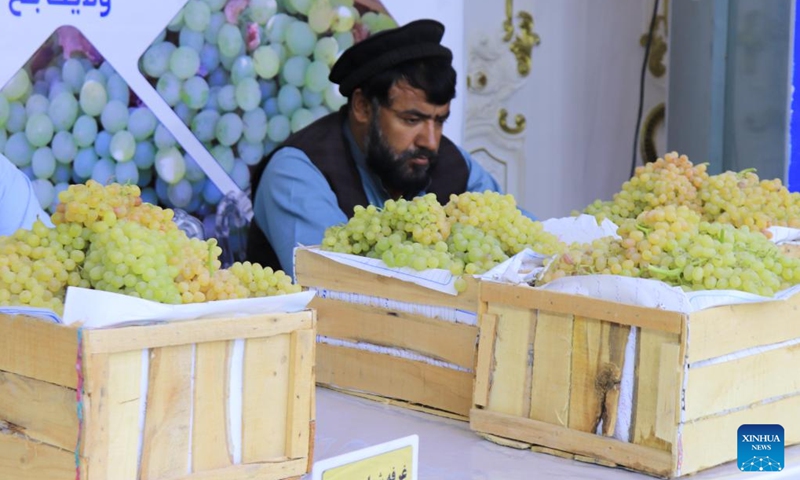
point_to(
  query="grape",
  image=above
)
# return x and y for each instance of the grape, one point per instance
(145, 177)
(211, 193)
(4, 110)
(278, 128)
(118, 89)
(212, 103)
(241, 174)
(102, 144)
(248, 94)
(193, 171)
(216, 21)
(36, 104)
(93, 98)
(294, 71)
(45, 192)
(3, 139)
(156, 59)
(122, 147)
(176, 23)
(64, 148)
(204, 125)
(262, 10)
(84, 131)
(39, 129)
(180, 193)
(276, 27)
(149, 195)
(316, 78)
(224, 156)
(242, 68)
(106, 69)
(289, 99)
(185, 113)
(73, 73)
(196, 15)
(209, 57)
(300, 6)
(255, 125)
(320, 16)
(104, 171)
(51, 74)
(344, 18)
(114, 116)
(280, 51)
(43, 163)
(17, 118)
(184, 62)
(311, 98)
(18, 86)
(249, 152)
(142, 123)
(326, 50)
(301, 118)
(268, 88)
(227, 98)
(266, 62)
(145, 155)
(126, 173)
(333, 99)
(344, 39)
(170, 165)
(84, 162)
(62, 173)
(63, 111)
(270, 107)
(18, 149)
(169, 87)
(195, 92)
(229, 129)
(229, 40)
(93, 75)
(191, 39)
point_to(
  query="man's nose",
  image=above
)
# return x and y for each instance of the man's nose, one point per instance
(428, 136)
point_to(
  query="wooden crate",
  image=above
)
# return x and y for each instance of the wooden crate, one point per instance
(549, 370)
(183, 432)
(791, 249)
(406, 382)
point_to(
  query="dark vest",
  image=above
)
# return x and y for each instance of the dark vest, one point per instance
(327, 147)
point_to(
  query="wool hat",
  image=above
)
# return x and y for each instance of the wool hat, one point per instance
(384, 50)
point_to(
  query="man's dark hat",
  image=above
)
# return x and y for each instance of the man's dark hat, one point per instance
(383, 50)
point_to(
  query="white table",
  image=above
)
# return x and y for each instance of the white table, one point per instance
(450, 451)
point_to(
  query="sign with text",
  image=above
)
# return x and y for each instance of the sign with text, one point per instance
(395, 460)
(760, 448)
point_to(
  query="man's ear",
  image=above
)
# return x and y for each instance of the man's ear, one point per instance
(362, 108)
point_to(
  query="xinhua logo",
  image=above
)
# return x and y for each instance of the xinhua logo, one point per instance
(760, 448)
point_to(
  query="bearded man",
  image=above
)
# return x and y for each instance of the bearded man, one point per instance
(386, 143)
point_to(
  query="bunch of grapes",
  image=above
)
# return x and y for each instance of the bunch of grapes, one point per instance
(671, 180)
(673, 244)
(99, 242)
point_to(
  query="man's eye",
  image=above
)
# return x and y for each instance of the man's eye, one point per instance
(411, 120)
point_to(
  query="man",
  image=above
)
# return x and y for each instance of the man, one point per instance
(19, 206)
(385, 143)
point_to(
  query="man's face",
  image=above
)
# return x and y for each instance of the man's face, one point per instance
(403, 139)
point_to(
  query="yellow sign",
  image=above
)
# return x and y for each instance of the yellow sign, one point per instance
(396, 460)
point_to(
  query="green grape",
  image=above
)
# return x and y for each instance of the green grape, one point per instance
(197, 15)
(93, 98)
(64, 148)
(184, 62)
(266, 62)
(18, 86)
(63, 111)
(123, 146)
(39, 130)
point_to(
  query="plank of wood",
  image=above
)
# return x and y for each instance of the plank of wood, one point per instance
(265, 398)
(210, 442)
(23, 459)
(552, 368)
(167, 427)
(397, 403)
(585, 405)
(39, 410)
(636, 457)
(194, 331)
(39, 350)
(670, 382)
(484, 365)
(96, 431)
(620, 313)
(124, 393)
(393, 377)
(301, 366)
(723, 330)
(710, 441)
(314, 270)
(723, 386)
(278, 470)
(646, 389)
(447, 341)
(513, 356)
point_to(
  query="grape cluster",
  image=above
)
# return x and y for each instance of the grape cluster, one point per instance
(675, 245)
(106, 238)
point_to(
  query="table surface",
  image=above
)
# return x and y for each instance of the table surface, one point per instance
(450, 451)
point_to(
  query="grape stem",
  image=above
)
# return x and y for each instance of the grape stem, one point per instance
(644, 229)
(746, 171)
(675, 273)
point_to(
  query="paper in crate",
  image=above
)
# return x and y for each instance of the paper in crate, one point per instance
(646, 377)
(228, 396)
(388, 338)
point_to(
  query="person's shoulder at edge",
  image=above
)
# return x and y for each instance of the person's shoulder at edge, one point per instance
(19, 206)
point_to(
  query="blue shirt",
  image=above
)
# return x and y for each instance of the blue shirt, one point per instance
(295, 203)
(19, 206)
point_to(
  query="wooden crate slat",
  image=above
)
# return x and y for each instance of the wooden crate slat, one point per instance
(447, 341)
(658, 357)
(723, 330)
(199, 331)
(623, 314)
(711, 441)
(740, 382)
(552, 368)
(484, 365)
(399, 378)
(540, 433)
(210, 435)
(265, 398)
(122, 415)
(167, 427)
(513, 357)
(314, 270)
(42, 411)
(23, 459)
(280, 470)
(301, 382)
(38, 349)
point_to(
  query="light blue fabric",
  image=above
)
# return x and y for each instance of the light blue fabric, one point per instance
(19, 207)
(295, 203)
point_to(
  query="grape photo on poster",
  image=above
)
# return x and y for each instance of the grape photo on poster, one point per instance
(760, 448)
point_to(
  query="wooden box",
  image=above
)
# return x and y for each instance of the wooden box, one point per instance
(442, 387)
(550, 366)
(153, 402)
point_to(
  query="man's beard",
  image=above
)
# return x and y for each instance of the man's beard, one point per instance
(394, 170)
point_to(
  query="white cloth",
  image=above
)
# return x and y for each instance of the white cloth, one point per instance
(19, 206)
